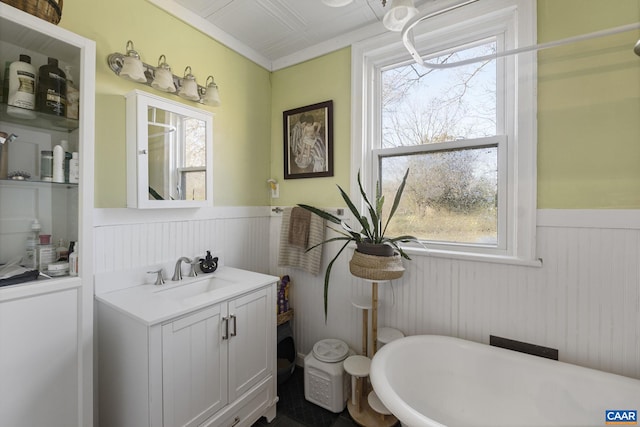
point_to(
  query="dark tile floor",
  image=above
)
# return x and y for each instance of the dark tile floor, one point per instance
(293, 410)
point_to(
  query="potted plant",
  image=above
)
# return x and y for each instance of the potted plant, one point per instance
(372, 245)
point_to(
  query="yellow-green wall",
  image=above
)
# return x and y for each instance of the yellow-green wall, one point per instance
(588, 110)
(588, 106)
(242, 125)
(321, 79)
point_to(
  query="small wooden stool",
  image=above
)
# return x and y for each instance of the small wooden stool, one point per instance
(358, 367)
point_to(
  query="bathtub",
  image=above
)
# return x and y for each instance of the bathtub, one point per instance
(430, 380)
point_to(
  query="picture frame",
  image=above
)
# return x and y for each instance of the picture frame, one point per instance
(308, 141)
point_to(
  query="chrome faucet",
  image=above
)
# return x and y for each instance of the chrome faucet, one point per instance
(159, 277)
(177, 273)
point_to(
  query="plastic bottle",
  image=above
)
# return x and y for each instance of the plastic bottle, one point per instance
(52, 89)
(73, 96)
(46, 252)
(67, 158)
(74, 168)
(73, 260)
(30, 259)
(58, 163)
(22, 88)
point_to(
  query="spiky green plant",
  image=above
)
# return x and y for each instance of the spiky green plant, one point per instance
(371, 227)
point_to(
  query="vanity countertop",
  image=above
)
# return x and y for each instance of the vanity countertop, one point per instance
(151, 304)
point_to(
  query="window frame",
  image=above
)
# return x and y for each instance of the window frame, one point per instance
(513, 24)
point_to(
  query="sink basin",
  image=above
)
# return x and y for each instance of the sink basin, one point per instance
(196, 289)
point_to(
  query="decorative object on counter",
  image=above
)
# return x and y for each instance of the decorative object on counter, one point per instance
(188, 86)
(51, 91)
(58, 268)
(49, 10)
(209, 264)
(19, 175)
(5, 139)
(130, 66)
(22, 88)
(372, 231)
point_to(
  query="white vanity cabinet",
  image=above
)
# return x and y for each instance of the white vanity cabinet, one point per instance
(46, 325)
(211, 366)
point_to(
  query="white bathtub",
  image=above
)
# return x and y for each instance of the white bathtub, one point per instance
(430, 380)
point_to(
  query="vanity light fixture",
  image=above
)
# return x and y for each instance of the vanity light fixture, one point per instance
(132, 67)
(163, 79)
(188, 86)
(211, 95)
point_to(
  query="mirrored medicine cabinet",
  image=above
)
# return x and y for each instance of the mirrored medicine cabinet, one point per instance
(169, 153)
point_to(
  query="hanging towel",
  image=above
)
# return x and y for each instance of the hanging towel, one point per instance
(295, 256)
(299, 225)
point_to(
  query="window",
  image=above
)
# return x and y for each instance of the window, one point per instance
(467, 133)
(193, 154)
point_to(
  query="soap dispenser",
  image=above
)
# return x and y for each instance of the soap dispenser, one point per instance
(209, 264)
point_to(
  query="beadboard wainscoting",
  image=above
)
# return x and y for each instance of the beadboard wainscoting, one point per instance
(584, 300)
(129, 242)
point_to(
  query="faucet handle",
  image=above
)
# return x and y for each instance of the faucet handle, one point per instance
(159, 278)
(194, 263)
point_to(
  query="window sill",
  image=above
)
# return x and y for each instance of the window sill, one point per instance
(471, 256)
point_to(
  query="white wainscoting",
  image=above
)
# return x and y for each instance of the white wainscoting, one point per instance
(584, 300)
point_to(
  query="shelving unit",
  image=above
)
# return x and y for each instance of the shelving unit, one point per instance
(46, 326)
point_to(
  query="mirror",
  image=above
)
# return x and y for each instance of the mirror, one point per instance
(169, 153)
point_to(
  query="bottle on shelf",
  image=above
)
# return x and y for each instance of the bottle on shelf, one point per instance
(73, 96)
(52, 89)
(74, 168)
(58, 163)
(73, 260)
(22, 88)
(46, 165)
(62, 252)
(30, 258)
(67, 158)
(46, 252)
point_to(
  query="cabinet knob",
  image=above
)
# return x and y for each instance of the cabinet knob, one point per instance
(143, 151)
(236, 420)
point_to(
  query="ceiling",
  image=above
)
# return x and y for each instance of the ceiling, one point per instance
(279, 33)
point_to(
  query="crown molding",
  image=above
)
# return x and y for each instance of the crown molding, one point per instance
(328, 46)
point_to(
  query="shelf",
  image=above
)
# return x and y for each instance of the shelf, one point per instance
(36, 119)
(37, 182)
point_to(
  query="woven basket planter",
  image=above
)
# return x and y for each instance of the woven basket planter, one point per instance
(49, 10)
(372, 267)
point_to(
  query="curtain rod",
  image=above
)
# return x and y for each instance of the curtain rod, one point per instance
(407, 39)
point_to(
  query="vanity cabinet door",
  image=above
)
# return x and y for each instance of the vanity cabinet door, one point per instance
(194, 367)
(250, 330)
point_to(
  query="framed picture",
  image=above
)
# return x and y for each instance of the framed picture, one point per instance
(308, 141)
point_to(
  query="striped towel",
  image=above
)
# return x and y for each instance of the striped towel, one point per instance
(294, 256)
